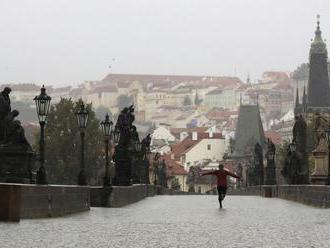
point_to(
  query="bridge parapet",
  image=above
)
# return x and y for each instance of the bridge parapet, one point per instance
(39, 201)
(313, 195)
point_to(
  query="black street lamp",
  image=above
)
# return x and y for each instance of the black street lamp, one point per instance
(42, 104)
(106, 126)
(82, 120)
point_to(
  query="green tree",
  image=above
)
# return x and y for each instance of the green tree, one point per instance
(62, 139)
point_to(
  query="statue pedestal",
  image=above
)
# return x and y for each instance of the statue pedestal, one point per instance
(15, 165)
(123, 176)
(320, 173)
(270, 174)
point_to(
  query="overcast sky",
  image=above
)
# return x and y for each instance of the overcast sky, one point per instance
(68, 41)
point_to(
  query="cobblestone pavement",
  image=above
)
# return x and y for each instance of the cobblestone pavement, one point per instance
(179, 221)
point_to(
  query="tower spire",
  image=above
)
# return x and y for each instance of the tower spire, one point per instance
(318, 45)
(318, 82)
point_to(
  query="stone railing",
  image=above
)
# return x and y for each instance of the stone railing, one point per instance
(119, 196)
(39, 201)
(314, 195)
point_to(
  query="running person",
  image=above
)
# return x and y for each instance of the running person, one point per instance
(221, 181)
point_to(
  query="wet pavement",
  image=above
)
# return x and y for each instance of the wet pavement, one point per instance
(179, 221)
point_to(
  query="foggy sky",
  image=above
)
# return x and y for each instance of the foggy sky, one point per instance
(68, 41)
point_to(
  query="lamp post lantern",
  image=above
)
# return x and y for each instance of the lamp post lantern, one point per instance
(82, 120)
(42, 102)
(107, 126)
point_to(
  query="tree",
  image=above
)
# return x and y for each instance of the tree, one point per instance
(124, 101)
(62, 139)
(187, 101)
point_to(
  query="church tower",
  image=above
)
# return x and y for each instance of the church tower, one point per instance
(318, 93)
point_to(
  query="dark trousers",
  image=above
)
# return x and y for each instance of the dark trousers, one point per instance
(221, 192)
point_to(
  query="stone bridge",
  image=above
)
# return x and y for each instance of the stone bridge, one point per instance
(179, 221)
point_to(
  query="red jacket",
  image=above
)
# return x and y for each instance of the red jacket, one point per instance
(221, 176)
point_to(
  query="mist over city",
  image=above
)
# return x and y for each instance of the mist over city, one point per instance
(153, 123)
(65, 43)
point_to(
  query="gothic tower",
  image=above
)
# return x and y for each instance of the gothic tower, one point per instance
(318, 95)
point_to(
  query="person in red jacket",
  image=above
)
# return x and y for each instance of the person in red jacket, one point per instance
(221, 175)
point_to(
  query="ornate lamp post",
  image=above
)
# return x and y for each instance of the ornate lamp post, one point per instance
(82, 120)
(108, 135)
(42, 104)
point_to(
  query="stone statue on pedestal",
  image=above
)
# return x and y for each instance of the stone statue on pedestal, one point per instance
(124, 151)
(270, 177)
(5, 109)
(15, 151)
(162, 174)
(296, 169)
(321, 152)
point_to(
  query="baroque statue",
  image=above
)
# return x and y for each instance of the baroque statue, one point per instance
(295, 169)
(16, 153)
(321, 126)
(11, 131)
(125, 152)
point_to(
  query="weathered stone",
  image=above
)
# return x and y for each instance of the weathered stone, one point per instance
(40, 201)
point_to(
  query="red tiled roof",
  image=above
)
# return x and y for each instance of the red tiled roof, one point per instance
(173, 167)
(185, 145)
(220, 114)
(274, 137)
(276, 75)
(226, 82)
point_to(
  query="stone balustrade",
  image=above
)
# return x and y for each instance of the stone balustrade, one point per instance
(39, 201)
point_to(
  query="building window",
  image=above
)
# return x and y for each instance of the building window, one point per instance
(208, 147)
(183, 157)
